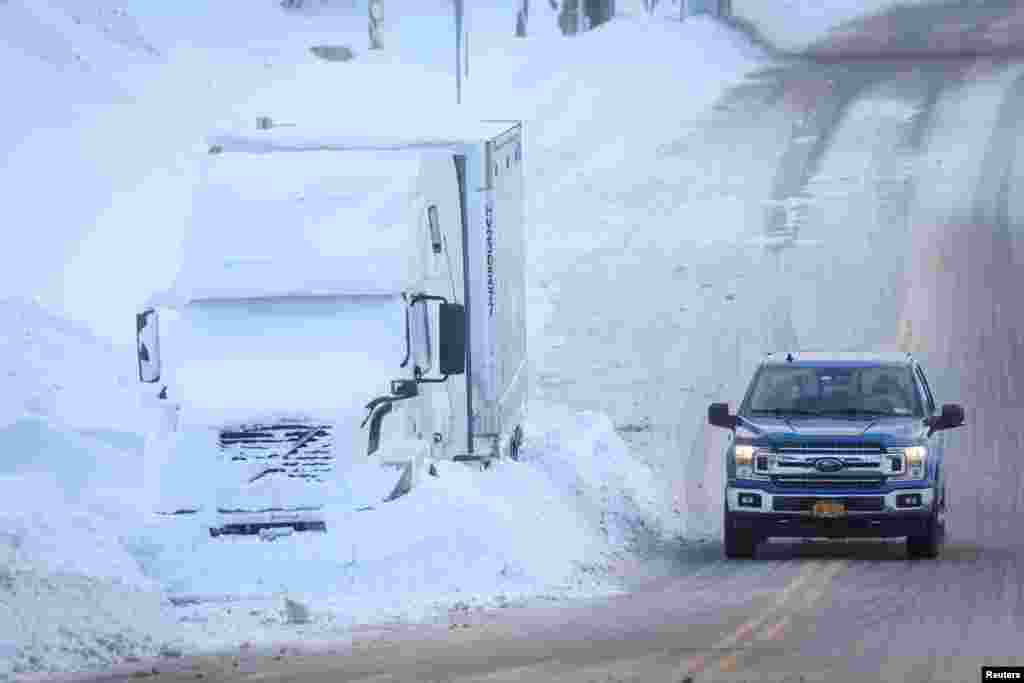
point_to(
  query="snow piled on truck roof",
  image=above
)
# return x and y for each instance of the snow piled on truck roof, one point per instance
(442, 136)
(314, 223)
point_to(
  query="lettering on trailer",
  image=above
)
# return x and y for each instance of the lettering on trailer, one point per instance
(489, 223)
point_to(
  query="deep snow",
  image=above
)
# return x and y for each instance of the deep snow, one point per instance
(88, 573)
(91, 576)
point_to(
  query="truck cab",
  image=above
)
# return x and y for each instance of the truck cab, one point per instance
(836, 445)
(349, 308)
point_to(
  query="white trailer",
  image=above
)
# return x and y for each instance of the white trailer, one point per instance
(341, 301)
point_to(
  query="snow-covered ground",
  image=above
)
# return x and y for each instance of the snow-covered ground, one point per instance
(88, 576)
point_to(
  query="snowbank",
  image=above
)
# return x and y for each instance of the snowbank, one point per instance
(55, 368)
(555, 524)
(86, 569)
(72, 596)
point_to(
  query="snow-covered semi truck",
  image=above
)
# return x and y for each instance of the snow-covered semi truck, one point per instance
(341, 301)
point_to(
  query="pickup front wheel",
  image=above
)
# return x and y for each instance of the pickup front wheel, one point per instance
(738, 543)
(928, 544)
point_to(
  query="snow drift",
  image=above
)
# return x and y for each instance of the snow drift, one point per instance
(465, 535)
(71, 593)
(89, 576)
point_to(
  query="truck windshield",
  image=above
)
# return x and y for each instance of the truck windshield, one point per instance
(294, 327)
(869, 391)
(235, 359)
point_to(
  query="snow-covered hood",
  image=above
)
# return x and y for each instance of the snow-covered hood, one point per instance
(818, 429)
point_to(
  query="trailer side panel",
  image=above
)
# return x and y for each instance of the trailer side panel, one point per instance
(496, 280)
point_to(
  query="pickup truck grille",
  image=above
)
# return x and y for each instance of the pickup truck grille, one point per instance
(301, 451)
(829, 448)
(806, 503)
(846, 465)
(796, 464)
(828, 483)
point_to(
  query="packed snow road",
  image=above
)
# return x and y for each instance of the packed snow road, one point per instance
(903, 229)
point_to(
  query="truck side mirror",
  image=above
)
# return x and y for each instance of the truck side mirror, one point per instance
(453, 338)
(147, 340)
(419, 330)
(718, 416)
(952, 416)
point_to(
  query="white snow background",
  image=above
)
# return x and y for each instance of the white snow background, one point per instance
(100, 162)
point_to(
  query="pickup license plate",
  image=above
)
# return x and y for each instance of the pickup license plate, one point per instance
(827, 508)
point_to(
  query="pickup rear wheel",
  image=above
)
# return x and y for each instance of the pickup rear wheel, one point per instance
(928, 544)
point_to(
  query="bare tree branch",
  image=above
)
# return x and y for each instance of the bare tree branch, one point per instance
(376, 23)
(522, 18)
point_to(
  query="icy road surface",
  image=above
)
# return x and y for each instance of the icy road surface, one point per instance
(909, 238)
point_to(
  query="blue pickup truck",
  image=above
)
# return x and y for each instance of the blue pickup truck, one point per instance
(836, 445)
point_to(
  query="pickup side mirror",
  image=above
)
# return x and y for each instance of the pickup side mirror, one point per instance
(452, 332)
(952, 416)
(719, 416)
(147, 341)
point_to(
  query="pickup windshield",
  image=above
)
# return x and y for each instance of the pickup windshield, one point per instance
(869, 391)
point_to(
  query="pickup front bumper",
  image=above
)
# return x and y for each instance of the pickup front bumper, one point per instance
(892, 514)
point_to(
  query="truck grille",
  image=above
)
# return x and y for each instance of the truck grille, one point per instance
(846, 464)
(828, 448)
(275, 446)
(806, 503)
(828, 483)
(864, 465)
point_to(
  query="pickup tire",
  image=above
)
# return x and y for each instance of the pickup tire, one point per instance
(738, 543)
(927, 545)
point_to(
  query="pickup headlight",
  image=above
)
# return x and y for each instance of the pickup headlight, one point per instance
(751, 462)
(913, 465)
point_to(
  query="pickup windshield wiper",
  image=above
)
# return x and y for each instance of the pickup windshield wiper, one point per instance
(779, 412)
(854, 412)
